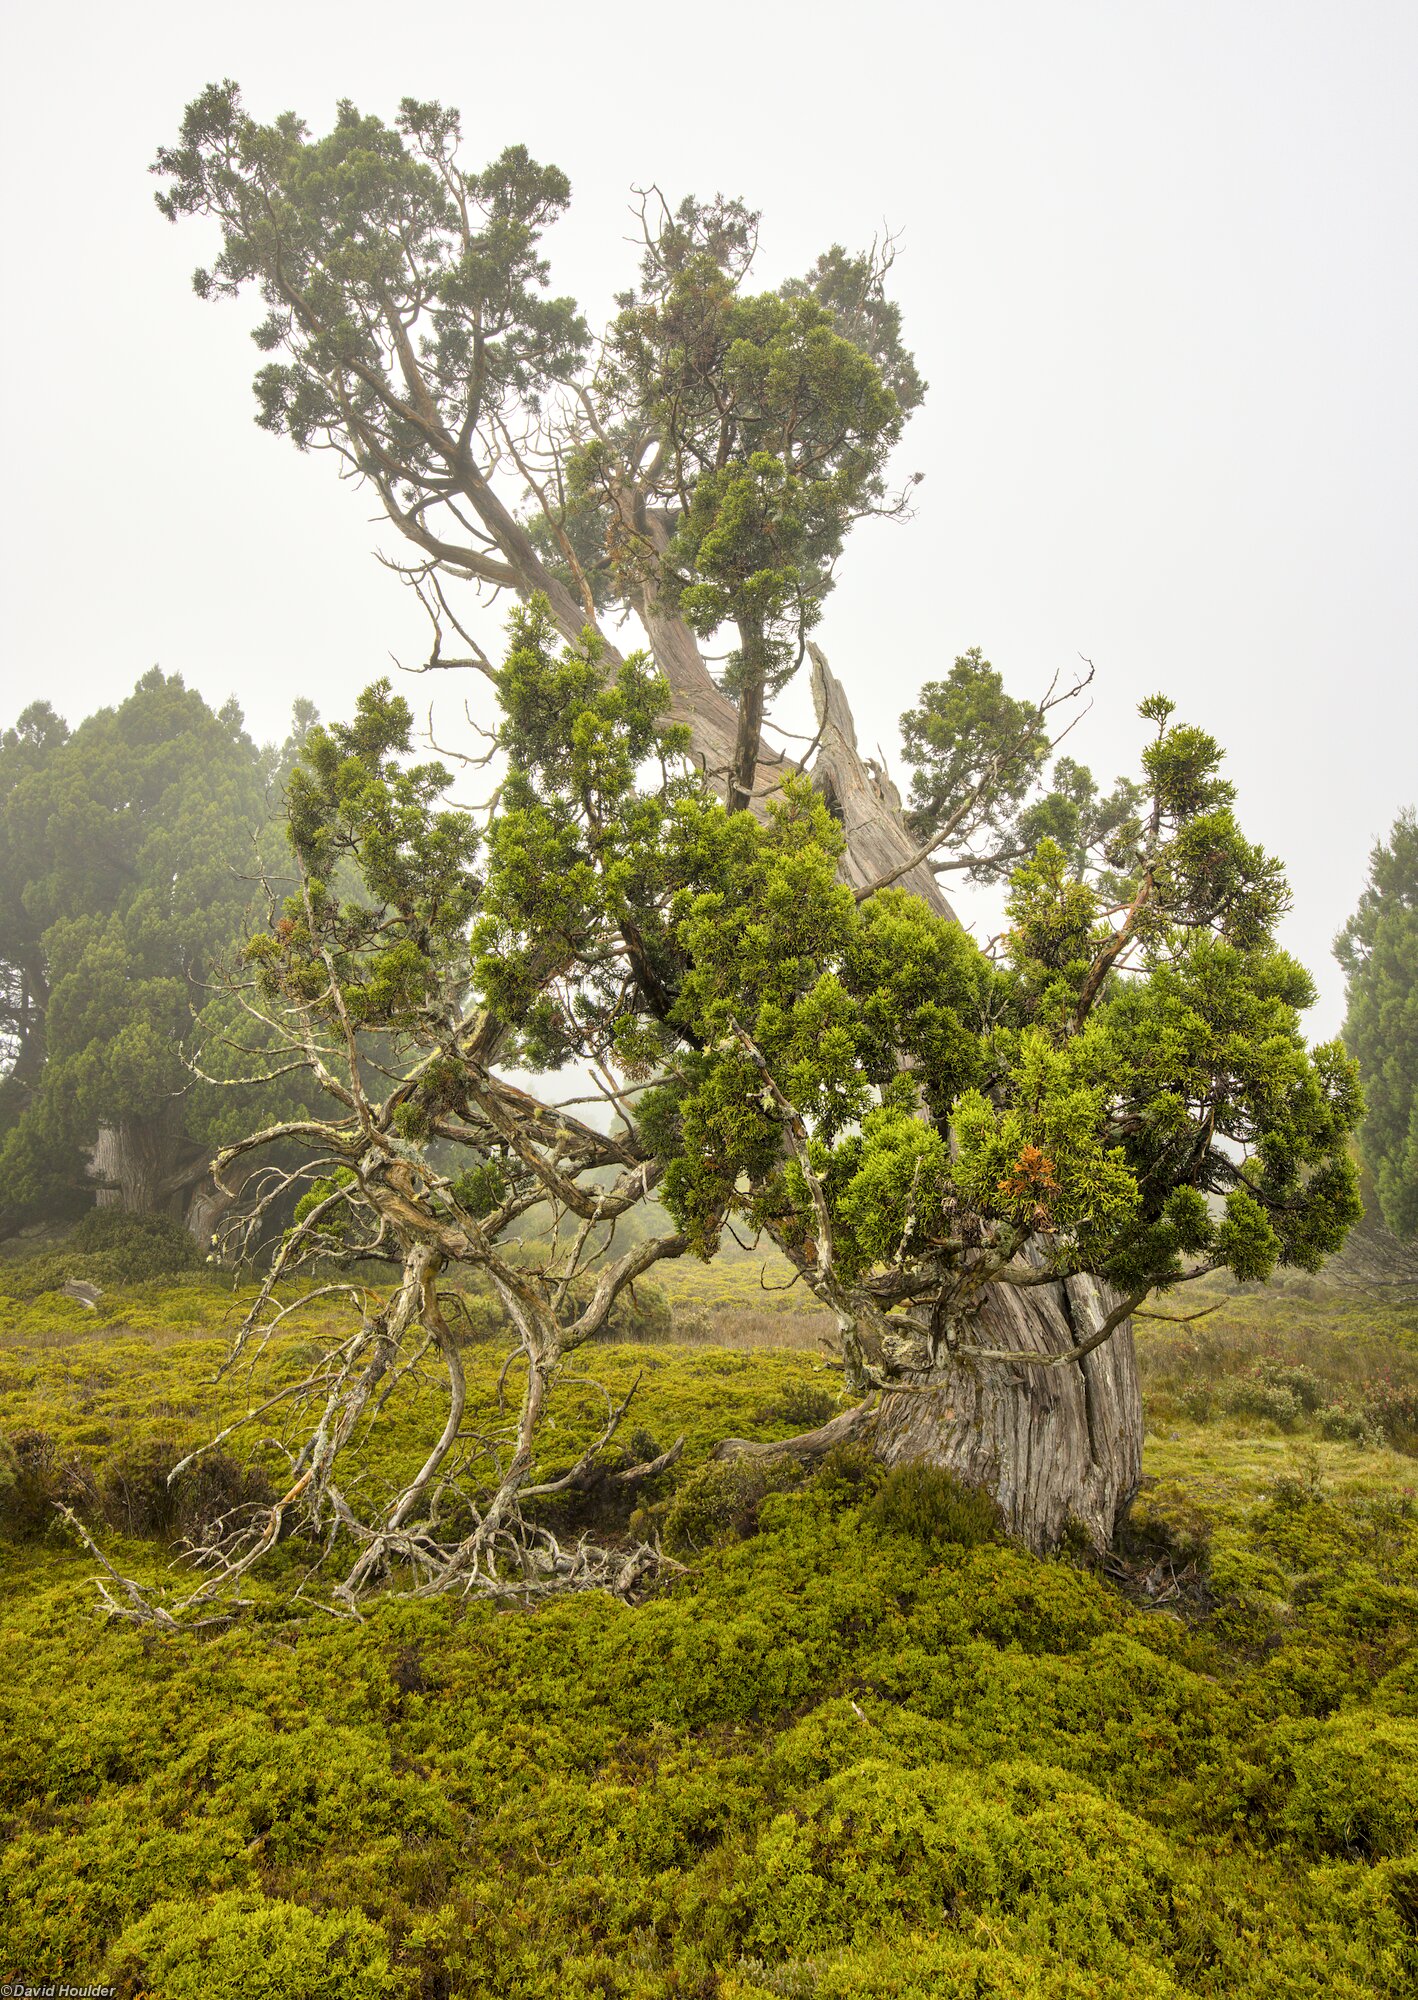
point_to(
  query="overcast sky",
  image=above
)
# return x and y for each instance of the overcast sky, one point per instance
(1158, 265)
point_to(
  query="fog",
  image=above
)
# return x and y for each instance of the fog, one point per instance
(1156, 263)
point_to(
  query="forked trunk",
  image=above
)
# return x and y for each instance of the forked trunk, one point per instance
(1054, 1444)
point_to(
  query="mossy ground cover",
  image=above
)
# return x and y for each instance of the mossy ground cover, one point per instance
(861, 1748)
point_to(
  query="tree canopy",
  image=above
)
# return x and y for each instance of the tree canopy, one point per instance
(1378, 949)
(700, 464)
(130, 850)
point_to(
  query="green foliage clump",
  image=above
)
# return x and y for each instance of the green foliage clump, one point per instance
(805, 1406)
(1296, 1380)
(132, 1494)
(36, 1477)
(932, 1505)
(355, 805)
(965, 728)
(261, 1948)
(107, 1247)
(722, 1500)
(875, 1843)
(139, 1498)
(1272, 1401)
(1354, 1785)
(787, 421)
(1364, 1425)
(1070, 1094)
(759, 424)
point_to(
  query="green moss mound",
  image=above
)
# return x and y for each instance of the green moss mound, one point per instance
(876, 1844)
(861, 1748)
(929, 1503)
(263, 1950)
(723, 1501)
(1355, 1786)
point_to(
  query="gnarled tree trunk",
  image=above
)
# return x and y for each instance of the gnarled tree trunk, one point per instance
(145, 1166)
(1056, 1444)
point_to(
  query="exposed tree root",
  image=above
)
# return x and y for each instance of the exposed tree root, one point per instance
(465, 1525)
(853, 1426)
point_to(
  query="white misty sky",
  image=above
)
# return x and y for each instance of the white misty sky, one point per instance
(1158, 265)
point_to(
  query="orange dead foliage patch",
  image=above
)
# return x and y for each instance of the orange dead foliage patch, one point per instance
(1032, 1176)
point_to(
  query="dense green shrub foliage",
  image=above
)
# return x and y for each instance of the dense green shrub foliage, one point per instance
(107, 1247)
(860, 1749)
(261, 1948)
(927, 1502)
(126, 857)
(724, 1500)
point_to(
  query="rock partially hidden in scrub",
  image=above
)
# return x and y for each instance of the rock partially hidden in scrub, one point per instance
(932, 1505)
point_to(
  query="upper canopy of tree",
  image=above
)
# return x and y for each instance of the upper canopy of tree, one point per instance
(1378, 949)
(701, 463)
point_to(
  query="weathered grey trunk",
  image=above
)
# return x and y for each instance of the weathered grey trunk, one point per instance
(207, 1208)
(145, 1166)
(861, 795)
(1058, 1446)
